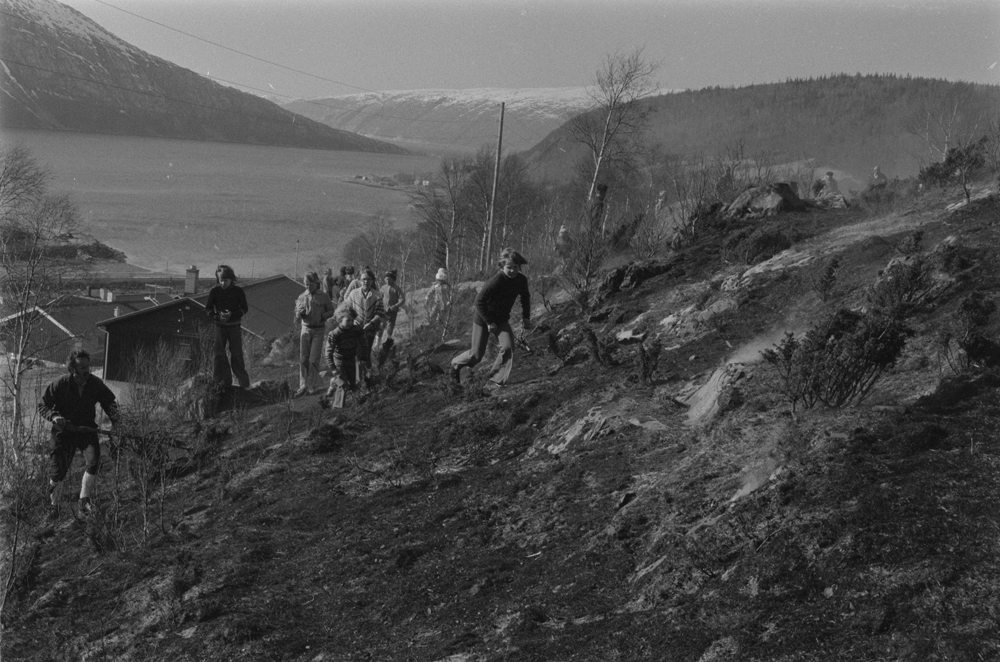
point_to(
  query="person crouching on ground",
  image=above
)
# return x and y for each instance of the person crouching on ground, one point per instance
(313, 308)
(342, 346)
(227, 304)
(393, 299)
(68, 403)
(491, 315)
(366, 301)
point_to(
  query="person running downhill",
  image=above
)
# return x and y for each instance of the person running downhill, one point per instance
(342, 345)
(68, 403)
(492, 313)
(313, 308)
(227, 304)
(366, 301)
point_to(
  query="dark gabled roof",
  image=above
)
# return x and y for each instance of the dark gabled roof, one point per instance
(71, 317)
(148, 310)
(81, 314)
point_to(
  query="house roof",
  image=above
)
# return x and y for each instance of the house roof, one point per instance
(271, 301)
(71, 317)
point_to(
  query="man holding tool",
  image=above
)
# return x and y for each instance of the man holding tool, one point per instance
(69, 403)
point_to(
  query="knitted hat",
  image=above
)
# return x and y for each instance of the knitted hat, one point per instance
(310, 277)
(391, 274)
(510, 256)
(441, 274)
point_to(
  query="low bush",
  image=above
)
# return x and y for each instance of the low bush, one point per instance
(837, 362)
(755, 244)
(964, 344)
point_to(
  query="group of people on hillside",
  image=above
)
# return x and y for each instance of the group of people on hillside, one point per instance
(362, 312)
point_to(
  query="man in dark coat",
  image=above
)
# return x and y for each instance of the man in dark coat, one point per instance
(69, 404)
(227, 304)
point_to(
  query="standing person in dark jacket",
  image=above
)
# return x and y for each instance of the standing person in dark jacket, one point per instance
(68, 403)
(227, 304)
(492, 313)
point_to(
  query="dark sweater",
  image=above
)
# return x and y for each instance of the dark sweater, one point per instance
(64, 398)
(494, 301)
(232, 299)
(342, 344)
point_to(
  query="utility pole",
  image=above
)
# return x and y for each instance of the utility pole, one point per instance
(296, 259)
(493, 197)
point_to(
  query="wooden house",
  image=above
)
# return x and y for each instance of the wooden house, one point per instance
(183, 326)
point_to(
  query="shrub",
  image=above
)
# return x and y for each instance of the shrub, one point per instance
(960, 166)
(964, 343)
(902, 286)
(752, 245)
(838, 362)
(823, 286)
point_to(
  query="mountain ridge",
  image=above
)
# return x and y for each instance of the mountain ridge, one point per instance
(62, 71)
(449, 120)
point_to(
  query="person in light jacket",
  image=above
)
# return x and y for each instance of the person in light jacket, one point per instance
(366, 301)
(393, 299)
(313, 308)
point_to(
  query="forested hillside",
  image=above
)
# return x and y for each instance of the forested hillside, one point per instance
(845, 122)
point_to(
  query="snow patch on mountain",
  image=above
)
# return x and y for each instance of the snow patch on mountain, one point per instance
(59, 18)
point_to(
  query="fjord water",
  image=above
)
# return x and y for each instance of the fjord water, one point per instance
(174, 203)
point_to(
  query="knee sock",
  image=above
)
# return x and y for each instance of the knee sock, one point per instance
(87, 485)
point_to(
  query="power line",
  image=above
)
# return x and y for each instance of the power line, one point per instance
(232, 50)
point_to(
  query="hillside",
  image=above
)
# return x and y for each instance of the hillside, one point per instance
(594, 508)
(845, 123)
(448, 121)
(63, 72)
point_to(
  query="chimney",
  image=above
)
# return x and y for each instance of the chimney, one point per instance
(111, 296)
(118, 311)
(191, 280)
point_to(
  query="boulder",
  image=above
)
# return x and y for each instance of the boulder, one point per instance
(630, 275)
(761, 201)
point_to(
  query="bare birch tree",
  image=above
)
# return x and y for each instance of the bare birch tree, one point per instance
(611, 130)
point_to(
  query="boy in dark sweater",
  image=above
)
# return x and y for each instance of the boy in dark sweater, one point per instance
(226, 305)
(492, 313)
(342, 345)
(69, 404)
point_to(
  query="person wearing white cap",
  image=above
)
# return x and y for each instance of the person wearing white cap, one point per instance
(313, 308)
(439, 298)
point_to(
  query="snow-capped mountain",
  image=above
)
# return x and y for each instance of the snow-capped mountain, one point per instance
(62, 71)
(449, 120)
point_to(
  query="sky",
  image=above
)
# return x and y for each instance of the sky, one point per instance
(320, 48)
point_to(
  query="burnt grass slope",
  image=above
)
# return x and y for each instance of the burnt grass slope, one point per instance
(574, 515)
